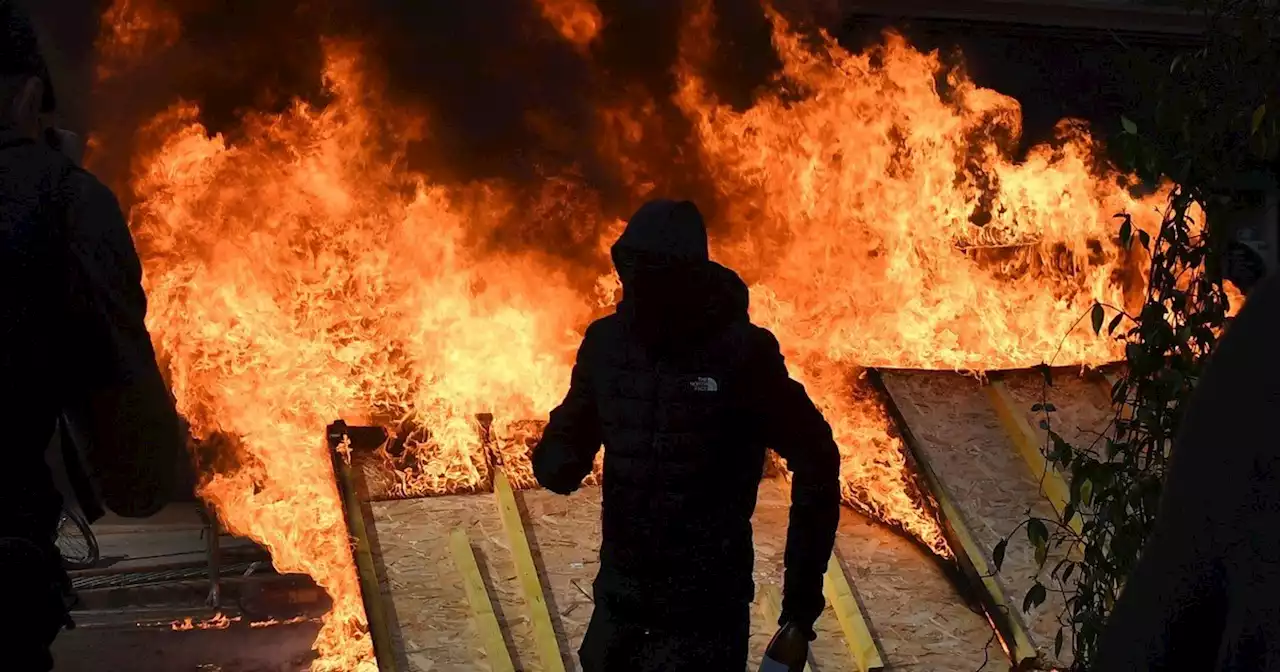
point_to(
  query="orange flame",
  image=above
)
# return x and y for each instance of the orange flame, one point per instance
(354, 291)
(132, 29)
(302, 273)
(886, 225)
(578, 21)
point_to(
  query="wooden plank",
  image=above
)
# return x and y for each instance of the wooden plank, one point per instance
(370, 590)
(481, 608)
(1000, 611)
(1052, 485)
(547, 645)
(857, 636)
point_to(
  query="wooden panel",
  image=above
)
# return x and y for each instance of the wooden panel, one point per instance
(1030, 445)
(918, 618)
(991, 489)
(434, 629)
(912, 610)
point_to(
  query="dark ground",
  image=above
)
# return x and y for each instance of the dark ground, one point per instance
(280, 648)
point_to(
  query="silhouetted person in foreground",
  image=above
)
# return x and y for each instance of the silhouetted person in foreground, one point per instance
(72, 344)
(685, 394)
(1206, 593)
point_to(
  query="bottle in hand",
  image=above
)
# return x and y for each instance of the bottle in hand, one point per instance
(788, 650)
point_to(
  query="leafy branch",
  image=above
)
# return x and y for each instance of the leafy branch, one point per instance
(1216, 116)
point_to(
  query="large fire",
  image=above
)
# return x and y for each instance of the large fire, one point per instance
(301, 272)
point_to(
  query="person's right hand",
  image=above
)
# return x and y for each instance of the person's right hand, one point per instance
(789, 647)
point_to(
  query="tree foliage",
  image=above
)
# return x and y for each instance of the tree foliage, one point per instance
(1216, 115)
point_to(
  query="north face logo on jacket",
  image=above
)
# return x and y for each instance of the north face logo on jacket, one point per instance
(704, 384)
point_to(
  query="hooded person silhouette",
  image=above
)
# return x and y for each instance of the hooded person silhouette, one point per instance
(685, 394)
(73, 344)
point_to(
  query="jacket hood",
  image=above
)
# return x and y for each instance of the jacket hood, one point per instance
(664, 228)
(673, 295)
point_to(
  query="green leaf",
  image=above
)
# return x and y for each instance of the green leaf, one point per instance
(1258, 115)
(1037, 533)
(1036, 408)
(1115, 322)
(1050, 408)
(1097, 317)
(1145, 239)
(997, 553)
(1126, 233)
(1129, 127)
(1086, 492)
(1035, 597)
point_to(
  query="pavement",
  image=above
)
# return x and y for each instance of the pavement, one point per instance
(239, 648)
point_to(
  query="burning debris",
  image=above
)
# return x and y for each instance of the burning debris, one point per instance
(300, 265)
(218, 621)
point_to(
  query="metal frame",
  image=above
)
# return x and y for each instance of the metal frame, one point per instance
(366, 571)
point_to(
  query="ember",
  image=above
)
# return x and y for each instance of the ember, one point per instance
(299, 271)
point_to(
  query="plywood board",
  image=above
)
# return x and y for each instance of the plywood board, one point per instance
(430, 616)
(968, 449)
(1084, 412)
(917, 616)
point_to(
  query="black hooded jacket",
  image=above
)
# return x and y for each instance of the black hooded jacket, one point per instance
(685, 394)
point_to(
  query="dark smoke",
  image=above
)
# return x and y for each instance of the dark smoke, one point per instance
(67, 29)
(507, 98)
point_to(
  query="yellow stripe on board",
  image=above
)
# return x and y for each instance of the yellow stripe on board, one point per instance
(1022, 650)
(544, 632)
(853, 622)
(481, 608)
(1052, 485)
